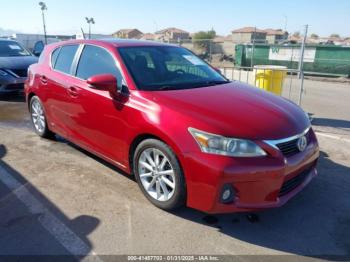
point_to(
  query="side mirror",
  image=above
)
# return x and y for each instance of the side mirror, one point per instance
(106, 82)
(36, 53)
(38, 48)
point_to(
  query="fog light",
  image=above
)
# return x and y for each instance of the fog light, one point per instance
(227, 195)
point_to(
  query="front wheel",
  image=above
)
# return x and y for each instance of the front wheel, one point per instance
(38, 118)
(159, 174)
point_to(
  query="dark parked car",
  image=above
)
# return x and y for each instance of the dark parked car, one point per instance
(14, 63)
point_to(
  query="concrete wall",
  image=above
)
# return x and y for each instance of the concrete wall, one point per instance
(176, 36)
(275, 39)
(29, 40)
(249, 37)
(135, 34)
(241, 37)
(226, 48)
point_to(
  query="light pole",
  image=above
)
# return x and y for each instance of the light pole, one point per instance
(285, 22)
(90, 21)
(285, 27)
(301, 64)
(43, 8)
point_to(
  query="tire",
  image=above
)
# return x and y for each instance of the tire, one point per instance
(38, 118)
(174, 183)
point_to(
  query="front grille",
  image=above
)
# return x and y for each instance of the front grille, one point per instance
(20, 72)
(290, 148)
(293, 183)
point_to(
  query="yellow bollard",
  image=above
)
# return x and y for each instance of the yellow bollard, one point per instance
(270, 78)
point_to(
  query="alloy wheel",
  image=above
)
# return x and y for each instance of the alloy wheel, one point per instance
(38, 116)
(156, 174)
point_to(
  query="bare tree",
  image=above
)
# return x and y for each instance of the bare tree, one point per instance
(314, 36)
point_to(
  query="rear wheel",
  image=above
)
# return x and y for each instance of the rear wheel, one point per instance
(38, 118)
(159, 174)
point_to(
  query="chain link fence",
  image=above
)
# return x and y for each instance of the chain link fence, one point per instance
(218, 52)
(326, 61)
(221, 54)
(319, 60)
(291, 82)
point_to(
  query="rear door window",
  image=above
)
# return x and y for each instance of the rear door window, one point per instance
(65, 58)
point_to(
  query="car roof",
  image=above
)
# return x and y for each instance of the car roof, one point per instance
(114, 42)
(7, 40)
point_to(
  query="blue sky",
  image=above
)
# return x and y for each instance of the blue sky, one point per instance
(67, 16)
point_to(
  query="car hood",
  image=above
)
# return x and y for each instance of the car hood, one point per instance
(236, 110)
(17, 62)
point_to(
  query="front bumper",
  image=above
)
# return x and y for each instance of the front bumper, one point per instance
(259, 183)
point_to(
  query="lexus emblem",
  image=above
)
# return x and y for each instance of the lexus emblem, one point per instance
(302, 143)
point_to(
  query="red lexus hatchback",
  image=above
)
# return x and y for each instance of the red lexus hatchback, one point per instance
(187, 134)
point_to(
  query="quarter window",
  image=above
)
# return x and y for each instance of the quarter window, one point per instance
(65, 58)
(54, 56)
(95, 61)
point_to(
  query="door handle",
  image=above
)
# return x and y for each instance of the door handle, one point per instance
(43, 80)
(73, 91)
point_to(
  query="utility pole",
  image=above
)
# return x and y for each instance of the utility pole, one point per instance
(90, 21)
(156, 25)
(301, 64)
(253, 49)
(285, 22)
(43, 8)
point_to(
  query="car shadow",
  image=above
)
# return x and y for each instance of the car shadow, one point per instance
(96, 158)
(326, 122)
(31, 227)
(316, 223)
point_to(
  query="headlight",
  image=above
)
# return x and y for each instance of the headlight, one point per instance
(219, 145)
(3, 73)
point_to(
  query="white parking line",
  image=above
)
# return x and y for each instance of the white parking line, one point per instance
(337, 137)
(53, 225)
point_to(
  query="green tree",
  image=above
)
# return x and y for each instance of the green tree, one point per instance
(335, 35)
(203, 39)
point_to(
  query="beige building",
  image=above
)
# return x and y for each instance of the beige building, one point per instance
(248, 35)
(128, 33)
(276, 36)
(172, 34)
(149, 37)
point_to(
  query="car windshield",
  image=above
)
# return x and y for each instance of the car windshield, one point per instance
(155, 68)
(11, 48)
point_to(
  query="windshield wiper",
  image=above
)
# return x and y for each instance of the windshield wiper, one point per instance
(194, 85)
(214, 83)
(166, 88)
